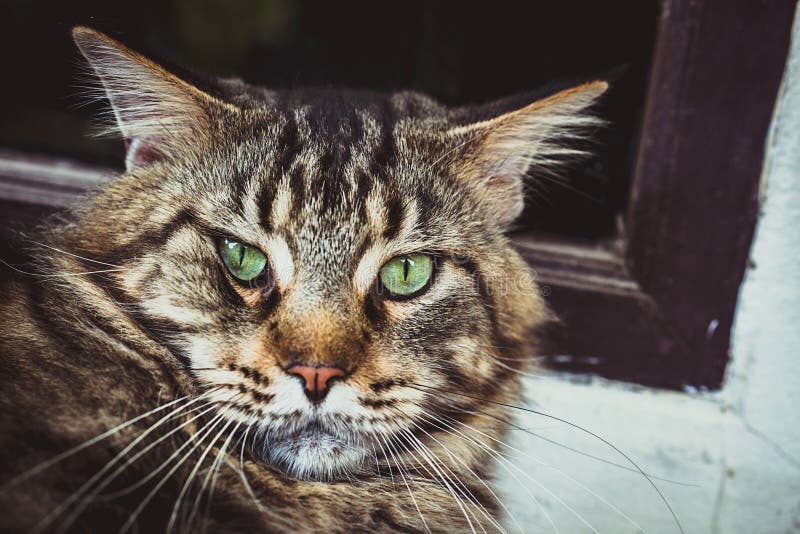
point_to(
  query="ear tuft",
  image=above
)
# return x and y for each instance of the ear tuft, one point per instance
(504, 149)
(154, 110)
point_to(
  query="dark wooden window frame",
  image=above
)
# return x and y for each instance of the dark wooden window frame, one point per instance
(654, 306)
(657, 307)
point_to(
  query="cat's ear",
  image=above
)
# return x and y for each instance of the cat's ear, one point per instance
(155, 111)
(501, 151)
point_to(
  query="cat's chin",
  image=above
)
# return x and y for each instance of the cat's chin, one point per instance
(314, 454)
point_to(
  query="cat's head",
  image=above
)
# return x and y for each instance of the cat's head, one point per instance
(329, 267)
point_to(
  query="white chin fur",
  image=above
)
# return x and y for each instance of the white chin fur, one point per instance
(313, 454)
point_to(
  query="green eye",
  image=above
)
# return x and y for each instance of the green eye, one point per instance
(406, 275)
(244, 262)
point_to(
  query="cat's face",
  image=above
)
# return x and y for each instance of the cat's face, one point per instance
(330, 268)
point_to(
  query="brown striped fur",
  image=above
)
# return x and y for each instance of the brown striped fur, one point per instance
(330, 185)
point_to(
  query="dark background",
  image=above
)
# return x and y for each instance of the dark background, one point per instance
(458, 52)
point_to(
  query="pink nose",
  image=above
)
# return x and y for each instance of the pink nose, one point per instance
(317, 379)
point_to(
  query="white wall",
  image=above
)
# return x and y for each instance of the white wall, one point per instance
(738, 448)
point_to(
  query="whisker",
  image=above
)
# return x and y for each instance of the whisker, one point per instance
(589, 432)
(472, 472)
(244, 443)
(74, 255)
(79, 494)
(375, 456)
(214, 471)
(411, 493)
(138, 484)
(59, 275)
(189, 478)
(524, 486)
(566, 475)
(243, 476)
(572, 449)
(388, 463)
(69, 452)
(209, 427)
(443, 480)
(463, 490)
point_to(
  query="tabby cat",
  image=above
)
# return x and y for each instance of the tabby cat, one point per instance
(294, 311)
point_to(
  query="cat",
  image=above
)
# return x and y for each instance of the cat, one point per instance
(295, 311)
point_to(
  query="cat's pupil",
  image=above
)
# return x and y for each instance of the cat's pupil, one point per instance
(241, 255)
(406, 262)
